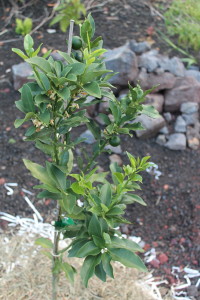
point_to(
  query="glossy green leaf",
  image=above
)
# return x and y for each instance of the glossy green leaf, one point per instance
(88, 249)
(88, 268)
(69, 271)
(92, 89)
(19, 122)
(125, 243)
(106, 194)
(40, 63)
(106, 259)
(27, 98)
(94, 227)
(44, 242)
(100, 273)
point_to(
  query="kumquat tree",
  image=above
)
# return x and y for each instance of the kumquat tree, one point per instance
(90, 204)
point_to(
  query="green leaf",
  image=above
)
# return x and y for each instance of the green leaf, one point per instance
(77, 188)
(45, 117)
(64, 93)
(88, 249)
(44, 242)
(127, 258)
(19, 122)
(107, 265)
(76, 246)
(134, 126)
(92, 89)
(94, 227)
(39, 172)
(105, 119)
(119, 176)
(40, 63)
(69, 271)
(125, 243)
(115, 211)
(28, 44)
(49, 195)
(20, 53)
(116, 112)
(88, 268)
(150, 111)
(136, 198)
(77, 68)
(99, 242)
(67, 57)
(27, 98)
(44, 81)
(56, 175)
(69, 202)
(86, 31)
(106, 194)
(100, 273)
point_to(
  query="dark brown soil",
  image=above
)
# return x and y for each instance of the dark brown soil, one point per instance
(170, 222)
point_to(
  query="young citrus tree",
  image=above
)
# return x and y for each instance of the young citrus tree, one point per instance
(55, 104)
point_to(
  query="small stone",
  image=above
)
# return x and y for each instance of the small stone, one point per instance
(161, 139)
(149, 60)
(88, 136)
(140, 47)
(50, 31)
(180, 124)
(193, 143)
(189, 107)
(177, 141)
(117, 150)
(163, 258)
(116, 158)
(164, 130)
(191, 119)
(155, 263)
(124, 61)
(193, 73)
(168, 116)
(157, 100)
(21, 73)
(152, 126)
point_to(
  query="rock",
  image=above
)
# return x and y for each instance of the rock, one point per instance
(193, 73)
(189, 107)
(186, 89)
(92, 108)
(124, 61)
(157, 100)
(149, 60)
(159, 71)
(155, 263)
(193, 131)
(163, 258)
(20, 73)
(104, 106)
(88, 136)
(123, 93)
(161, 139)
(139, 47)
(180, 124)
(164, 130)
(168, 116)
(152, 126)
(116, 150)
(191, 119)
(116, 158)
(193, 143)
(193, 67)
(177, 141)
(147, 80)
(173, 65)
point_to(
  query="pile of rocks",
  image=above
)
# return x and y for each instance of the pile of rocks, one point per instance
(176, 97)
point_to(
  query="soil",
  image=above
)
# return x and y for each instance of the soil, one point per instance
(170, 222)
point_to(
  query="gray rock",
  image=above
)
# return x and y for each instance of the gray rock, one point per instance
(186, 89)
(164, 81)
(193, 136)
(168, 116)
(173, 65)
(116, 158)
(193, 143)
(159, 71)
(124, 61)
(161, 139)
(189, 107)
(92, 108)
(139, 47)
(196, 68)
(193, 73)
(21, 72)
(88, 136)
(164, 130)
(149, 60)
(157, 100)
(191, 119)
(116, 150)
(177, 141)
(152, 126)
(180, 124)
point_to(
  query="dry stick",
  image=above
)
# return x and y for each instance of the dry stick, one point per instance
(55, 276)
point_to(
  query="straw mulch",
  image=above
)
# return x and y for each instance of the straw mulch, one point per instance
(25, 274)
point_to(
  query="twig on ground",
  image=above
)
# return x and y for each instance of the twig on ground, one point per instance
(154, 12)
